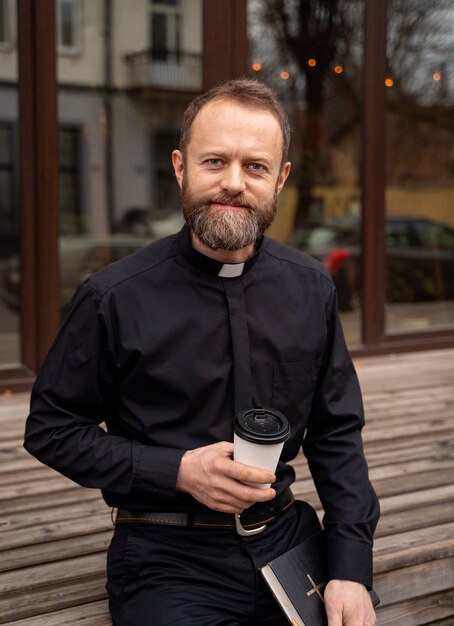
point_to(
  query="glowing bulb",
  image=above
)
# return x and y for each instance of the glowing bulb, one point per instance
(285, 75)
(338, 69)
(312, 62)
(389, 82)
(436, 76)
(256, 67)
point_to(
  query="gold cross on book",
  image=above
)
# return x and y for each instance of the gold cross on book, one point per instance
(315, 588)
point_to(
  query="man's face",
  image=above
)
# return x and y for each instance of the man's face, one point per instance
(231, 174)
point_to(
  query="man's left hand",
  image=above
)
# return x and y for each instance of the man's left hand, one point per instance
(348, 604)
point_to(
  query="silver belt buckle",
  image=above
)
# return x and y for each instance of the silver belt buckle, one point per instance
(246, 533)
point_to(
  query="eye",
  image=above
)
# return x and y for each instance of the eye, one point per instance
(256, 167)
(214, 162)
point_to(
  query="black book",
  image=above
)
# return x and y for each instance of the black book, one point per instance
(297, 580)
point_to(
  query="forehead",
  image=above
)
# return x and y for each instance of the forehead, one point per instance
(229, 123)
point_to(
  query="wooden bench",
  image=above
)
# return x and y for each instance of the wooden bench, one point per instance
(55, 534)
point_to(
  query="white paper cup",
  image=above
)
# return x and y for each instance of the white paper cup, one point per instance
(258, 438)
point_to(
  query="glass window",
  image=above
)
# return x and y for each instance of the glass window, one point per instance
(67, 25)
(434, 236)
(5, 144)
(69, 177)
(8, 199)
(4, 22)
(159, 36)
(420, 166)
(117, 131)
(165, 30)
(165, 2)
(312, 56)
(10, 304)
(167, 192)
(397, 234)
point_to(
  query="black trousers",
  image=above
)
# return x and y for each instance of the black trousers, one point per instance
(161, 575)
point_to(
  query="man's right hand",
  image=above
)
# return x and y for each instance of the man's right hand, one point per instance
(211, 476)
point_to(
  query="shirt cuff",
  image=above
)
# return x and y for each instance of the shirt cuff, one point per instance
(350, 560)
(155, 470)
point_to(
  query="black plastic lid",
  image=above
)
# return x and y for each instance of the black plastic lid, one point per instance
(262, 425)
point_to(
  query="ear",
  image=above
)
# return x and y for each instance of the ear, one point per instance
(178, 166)
(283, 175)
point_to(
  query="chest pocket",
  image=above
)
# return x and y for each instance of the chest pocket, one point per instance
(294, 384)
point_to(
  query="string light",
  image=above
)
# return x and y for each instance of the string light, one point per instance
(389, 81)
(436, 76)
(338, 69)
(285, 75)
(256, 67)
(312, 62)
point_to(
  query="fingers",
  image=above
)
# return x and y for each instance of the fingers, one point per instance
(222, 498)
(210, 476)
(348, 604)
(247, 473)
(238, 495)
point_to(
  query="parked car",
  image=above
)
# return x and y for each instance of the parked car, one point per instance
(419, 258)
(80, 256)
(144, 222)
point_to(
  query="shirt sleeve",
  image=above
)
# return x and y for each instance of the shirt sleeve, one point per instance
(333, 447)
(70, 400)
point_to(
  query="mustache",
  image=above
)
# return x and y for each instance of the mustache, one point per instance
(239, 200)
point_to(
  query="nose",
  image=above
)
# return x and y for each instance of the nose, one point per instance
(233, 179)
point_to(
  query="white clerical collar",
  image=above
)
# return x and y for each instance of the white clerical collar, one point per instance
(231, 270)
(210, 265)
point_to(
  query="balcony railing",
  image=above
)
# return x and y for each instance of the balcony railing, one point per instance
(165, 69)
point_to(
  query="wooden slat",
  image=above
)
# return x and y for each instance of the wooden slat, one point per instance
(415, 581)
(88, 614)
(39, 576)
(416, 546)
(55, 533)
(52, 597)
(436, 609)
(58, 550)
(54, 530)
(39, 501)
(81, 509)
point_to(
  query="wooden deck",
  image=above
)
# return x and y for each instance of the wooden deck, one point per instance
(54, 533)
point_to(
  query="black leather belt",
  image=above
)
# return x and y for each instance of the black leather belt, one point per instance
(258, 515)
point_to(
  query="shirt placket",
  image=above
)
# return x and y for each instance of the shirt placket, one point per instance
(242, 383)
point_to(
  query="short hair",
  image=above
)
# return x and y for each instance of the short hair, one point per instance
(246, 91)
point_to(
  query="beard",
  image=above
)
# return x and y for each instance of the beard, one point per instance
(226, 229)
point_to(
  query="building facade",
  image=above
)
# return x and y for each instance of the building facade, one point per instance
(91, 99)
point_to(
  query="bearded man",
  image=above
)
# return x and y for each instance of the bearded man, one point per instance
(166, 346)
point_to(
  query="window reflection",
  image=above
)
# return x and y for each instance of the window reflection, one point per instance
(165, 29)
(9, 181)
(5, 36)
(121, 99)
(420, 166)
(67, 25)
(69, 180)
(312, 55)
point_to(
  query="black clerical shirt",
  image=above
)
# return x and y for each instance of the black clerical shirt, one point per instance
(146, 348)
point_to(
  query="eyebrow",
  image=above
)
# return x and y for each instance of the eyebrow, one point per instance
(217, 153)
